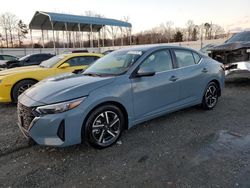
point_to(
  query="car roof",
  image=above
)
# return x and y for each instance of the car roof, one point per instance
(154, 47)
(82, 54)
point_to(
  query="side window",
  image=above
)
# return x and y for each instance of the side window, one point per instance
(184, 58)
(1, 57)
(159, 61)
(81, 61)
(31, 59)
(42, 57)
(9, 58)
(197, 57)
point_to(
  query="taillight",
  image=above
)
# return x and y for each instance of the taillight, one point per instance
(223, 67)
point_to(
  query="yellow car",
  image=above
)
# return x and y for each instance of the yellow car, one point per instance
(15, 81)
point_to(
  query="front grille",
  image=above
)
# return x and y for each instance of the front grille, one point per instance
(25, 116)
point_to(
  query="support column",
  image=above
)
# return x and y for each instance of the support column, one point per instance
(103, 36)
(42, 38)
(91, 37)
(63, 42)
(67, 34)
(121, 36)
(130, 36)
(99, 36)
(54, 43)
(80, 37)
(31, 38)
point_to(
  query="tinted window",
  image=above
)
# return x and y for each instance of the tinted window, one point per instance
(81, 60)
(43, 57)
(1, 57)
(184, 58)
(8, 57)
(197, 58)
(30, 60)
(159, 61)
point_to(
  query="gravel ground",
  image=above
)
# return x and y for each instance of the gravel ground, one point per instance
(189, 148)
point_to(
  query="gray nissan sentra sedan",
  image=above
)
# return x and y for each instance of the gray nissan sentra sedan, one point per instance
(118, 91)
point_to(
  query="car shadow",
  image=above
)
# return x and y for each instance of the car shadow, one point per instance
(237, 82)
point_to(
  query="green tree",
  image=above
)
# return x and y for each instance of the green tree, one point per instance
(178, 37)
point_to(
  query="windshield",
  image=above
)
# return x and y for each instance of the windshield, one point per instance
(52, 61)
(115, 63)
(24, 57)
(240, 37)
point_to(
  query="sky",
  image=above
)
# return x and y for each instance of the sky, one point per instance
(144, 14)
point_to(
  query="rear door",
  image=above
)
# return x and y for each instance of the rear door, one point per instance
(155, 94)
(191, 74)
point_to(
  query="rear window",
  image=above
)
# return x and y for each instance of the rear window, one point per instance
(184, 58)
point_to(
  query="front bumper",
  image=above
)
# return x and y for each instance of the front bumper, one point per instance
(60, 130)
(239, 68)
(5, 93)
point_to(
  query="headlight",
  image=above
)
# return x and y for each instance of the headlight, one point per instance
(59, 107)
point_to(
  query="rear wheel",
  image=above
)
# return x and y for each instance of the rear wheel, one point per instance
(104, 126)
(210, 98)
(20, 87)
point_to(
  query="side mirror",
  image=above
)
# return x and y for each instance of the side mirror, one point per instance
(145, 72)
(64, 65)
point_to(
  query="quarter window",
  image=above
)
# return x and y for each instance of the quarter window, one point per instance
(197, 58)
(184, 58)
(159, 61)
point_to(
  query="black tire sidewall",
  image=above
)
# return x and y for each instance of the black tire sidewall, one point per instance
(14, 93)
(88, 126)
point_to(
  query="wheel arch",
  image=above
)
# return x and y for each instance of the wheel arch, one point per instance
(218, 84)
(11, 92)
(115, 103)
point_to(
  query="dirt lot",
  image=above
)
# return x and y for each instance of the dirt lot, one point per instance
(189, 148)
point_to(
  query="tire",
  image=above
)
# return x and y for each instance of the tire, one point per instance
(211, 96)
(104, 126)
(20, 87)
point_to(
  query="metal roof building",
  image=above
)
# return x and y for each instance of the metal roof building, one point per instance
(67, 22)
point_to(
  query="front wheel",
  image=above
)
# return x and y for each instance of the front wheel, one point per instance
(210, 98)
(20, 87)
(104, 126)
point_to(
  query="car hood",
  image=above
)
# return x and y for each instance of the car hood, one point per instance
(230, 46)
(20, 70)
(65, 87)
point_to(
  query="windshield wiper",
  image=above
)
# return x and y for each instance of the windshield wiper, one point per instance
(92, 74)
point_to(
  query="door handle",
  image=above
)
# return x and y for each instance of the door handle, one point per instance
(173, 79)
(204, 70)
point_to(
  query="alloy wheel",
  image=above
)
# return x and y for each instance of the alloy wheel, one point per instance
(211, 96)
(23, 88)
(106, 128)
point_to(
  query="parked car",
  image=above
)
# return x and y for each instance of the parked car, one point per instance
(107, 52)
(118, 91)
(28, 60)
(206, 48)
(234, 54)
(15, 81)
(8, 57)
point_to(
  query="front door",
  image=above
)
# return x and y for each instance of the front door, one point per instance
(155, 94)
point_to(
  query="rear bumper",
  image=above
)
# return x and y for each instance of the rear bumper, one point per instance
(239, 68)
